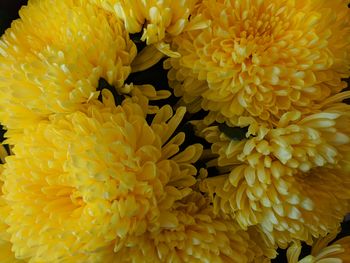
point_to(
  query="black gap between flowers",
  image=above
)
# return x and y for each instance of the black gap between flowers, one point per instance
(306, 249)
(2, 138)
(9, 12)
(234, 133)
(149, 118)
(345, 231)
(213, 172)
(136, 38)
(200, 115)
(282, 256)
(347, 101)
(157, 77)
(2, 133)
(103, 84)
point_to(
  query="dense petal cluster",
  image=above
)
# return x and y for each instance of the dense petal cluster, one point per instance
(263, 58)
(158, 19)
(100, 166)
(194, 236)
(6, 255)
(322, 251)
(49, 65)
(96, 176)
(282, 178)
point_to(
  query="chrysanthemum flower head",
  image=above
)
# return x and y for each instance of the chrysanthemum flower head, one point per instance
(158, 19)
(91, 178)
(195, 236)
(284, 178)
(52, 58)
(322, 251)
(263, 58)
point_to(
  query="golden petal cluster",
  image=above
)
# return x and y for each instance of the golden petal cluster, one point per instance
(158, 19)
(263, 58)
(323, 250)
(53, 57)
(6, 255)
(92, 178)
(283, 178)
(196, 236)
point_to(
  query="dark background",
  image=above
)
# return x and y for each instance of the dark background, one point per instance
(9, 11)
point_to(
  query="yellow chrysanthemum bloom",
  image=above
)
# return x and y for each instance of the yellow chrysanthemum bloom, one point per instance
(52, 58)
(194, 236)
(91, 178)
(322, 251)
(284, 178)
(158, 19)
(263, 58)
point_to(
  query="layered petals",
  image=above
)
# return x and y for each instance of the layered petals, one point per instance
(97, 176)
(195, 235)
(159, 20)
(324, 250)
(262, 58)
(49, 65)
(284, 178)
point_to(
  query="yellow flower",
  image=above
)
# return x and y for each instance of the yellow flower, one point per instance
(322, 251)
(52, 58)
(158, 19)
(94, 177)
(284, 178)
(263, 58)
(195, 236)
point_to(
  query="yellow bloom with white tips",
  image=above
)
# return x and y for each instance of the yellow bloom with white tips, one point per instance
(263, 58)
(283, 178)
(97, 176)
(52, 58)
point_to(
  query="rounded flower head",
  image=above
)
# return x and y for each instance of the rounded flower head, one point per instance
(263, 58)
(49, 65)
(92, 178)
(158, 19)
(284, 178)
(322, 251)
(195, 236)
